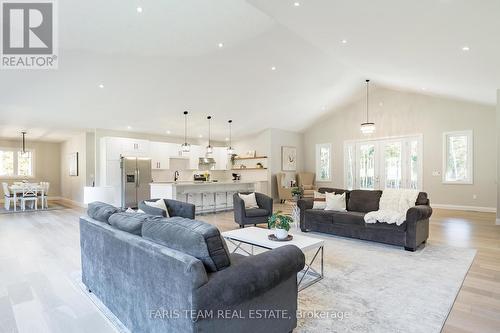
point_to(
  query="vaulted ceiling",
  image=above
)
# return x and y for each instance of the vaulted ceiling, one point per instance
(280, 65)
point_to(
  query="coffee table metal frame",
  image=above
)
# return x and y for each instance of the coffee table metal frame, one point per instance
(308, 269)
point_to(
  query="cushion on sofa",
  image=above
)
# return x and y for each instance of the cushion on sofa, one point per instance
(256, 212)
(348, 218)
(129, 222)
(101, 211)
(198, 239)
(363, 201)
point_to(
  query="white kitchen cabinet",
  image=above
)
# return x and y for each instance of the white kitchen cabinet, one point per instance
(113, 147)
(160, 156)
(136, 148)
(220, 200)
(195, 199)
(221, 158)
(208, 201)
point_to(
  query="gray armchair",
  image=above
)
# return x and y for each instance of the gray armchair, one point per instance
(174, 207)
(253, 216)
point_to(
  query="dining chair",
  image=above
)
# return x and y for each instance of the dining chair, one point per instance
(7, 196)
(44, 199)
(29, 194)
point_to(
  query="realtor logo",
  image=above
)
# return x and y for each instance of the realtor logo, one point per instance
(28, 35)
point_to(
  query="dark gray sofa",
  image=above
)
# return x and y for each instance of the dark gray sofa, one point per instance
(243, 216)
(152, 287)
(413, 232)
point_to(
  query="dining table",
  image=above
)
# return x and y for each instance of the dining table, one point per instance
(17, 188)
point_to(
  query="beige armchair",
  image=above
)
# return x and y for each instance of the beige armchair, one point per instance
(284, 193)
(306, 182)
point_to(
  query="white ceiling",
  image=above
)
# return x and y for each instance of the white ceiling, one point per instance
(156, 64)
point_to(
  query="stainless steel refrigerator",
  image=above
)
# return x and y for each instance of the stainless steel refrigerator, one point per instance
(136, 177)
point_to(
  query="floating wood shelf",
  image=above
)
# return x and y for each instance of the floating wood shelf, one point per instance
(249, 158)
(249, 169)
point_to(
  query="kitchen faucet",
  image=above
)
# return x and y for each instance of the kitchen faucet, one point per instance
(176, 175)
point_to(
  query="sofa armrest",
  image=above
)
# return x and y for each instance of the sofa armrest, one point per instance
(179, 208)
(251, 277)
(264, 202)
(305, 203)
(239, 208)
(417, 226)
(417, 213)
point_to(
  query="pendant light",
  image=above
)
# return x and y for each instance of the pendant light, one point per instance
(185, 147)
(230, 149)
(368, 127)
(23, 143)
(209, 147)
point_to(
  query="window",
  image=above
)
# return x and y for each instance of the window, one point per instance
(458, 157)
(380, 163)
(14, 163)
(323, 162)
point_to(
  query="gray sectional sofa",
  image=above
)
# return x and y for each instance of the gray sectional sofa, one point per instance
(175, 274)
(413, 232)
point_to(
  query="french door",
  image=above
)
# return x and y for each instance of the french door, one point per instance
(383, 163)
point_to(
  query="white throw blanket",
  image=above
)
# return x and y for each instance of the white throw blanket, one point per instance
(393, 206)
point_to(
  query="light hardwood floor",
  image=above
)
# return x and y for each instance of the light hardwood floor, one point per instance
(39, 253)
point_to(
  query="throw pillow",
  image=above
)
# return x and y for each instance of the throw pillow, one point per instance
(249, 199)
(158, 204)
(335, 202)
(129, 222)
(101, 211)
(319, 201)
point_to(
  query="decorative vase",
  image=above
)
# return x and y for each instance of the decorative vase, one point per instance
(280, 233)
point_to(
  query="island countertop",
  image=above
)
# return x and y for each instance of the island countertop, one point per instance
(195, 183)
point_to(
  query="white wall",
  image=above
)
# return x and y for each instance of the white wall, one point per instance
(498, 156)
(72, 186)
(398, 113)
(269, 143)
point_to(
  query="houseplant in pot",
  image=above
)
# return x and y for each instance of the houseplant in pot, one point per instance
(280, 223)
(297, 192)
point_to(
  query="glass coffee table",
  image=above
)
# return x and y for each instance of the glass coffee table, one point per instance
(257, 237)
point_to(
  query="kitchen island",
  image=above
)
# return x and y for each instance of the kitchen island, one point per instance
(206, 196)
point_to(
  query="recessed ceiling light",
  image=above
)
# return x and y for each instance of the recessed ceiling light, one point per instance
(139, 9)
(296, 4)
(344, 41)
(273, 68)
(168, 132)
(227, 139)
(101, 86)
(424, 88)
(465, 48)
(200, 136)
(381, 104)
(220, 45)
(129, 127)
(323, 108)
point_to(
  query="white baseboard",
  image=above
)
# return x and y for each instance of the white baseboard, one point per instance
(72, 202)
(466, 208)
(498, 222)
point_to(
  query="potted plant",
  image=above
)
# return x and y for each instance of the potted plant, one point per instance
(297, 192)
(280, 223)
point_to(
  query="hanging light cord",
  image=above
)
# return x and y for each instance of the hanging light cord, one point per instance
(209, 118)
(185, 127)
(230, 136)
(367, 99)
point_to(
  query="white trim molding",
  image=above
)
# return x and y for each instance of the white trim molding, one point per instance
(466, 208)
(470, 157)
(498, 221)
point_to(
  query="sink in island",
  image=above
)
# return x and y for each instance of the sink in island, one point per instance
(206, 196)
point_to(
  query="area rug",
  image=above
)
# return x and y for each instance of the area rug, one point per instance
(370, 287)
(52, 206)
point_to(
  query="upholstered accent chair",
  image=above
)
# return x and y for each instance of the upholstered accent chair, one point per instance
(243, 216)
(306, 182)
(284, 193)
